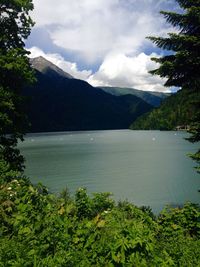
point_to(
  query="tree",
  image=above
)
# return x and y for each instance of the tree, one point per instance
(182, 66)
(15, 73)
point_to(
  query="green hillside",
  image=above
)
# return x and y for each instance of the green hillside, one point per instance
(152, 98)
(176, 110)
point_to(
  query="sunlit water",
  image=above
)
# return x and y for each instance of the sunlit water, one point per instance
(145, 167)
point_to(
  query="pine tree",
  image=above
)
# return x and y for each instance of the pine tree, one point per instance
(182, 66)
(15, 73)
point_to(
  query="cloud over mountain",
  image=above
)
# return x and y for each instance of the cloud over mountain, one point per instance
(116, 70)
(97, 34)
(125, 71)
(58, 60)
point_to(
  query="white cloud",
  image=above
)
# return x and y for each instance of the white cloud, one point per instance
(58, 60)
(94, 28)
(124, 71)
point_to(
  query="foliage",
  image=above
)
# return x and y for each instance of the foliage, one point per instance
(182, 67)
(40, 229)
(15, 73)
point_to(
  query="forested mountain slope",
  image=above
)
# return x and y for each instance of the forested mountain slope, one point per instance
(58, 102)
(153, 98)
(176, 110)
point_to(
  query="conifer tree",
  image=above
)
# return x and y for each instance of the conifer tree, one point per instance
(15, 73)
(182, 66)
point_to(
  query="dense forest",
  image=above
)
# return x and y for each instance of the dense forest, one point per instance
(176, 110)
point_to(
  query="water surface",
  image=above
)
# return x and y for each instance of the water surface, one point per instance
(145, 167)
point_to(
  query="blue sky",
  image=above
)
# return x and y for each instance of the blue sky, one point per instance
(102, 41)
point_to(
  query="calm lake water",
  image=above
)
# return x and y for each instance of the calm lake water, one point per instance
(145, 167)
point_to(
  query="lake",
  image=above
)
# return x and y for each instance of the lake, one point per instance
(144, 167)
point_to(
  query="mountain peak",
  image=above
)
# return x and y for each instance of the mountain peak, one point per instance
(41, 64)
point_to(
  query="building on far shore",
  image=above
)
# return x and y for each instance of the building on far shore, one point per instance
(182, 127)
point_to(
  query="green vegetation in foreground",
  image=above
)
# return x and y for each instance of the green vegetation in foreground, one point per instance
(42, 229)
(176, 110)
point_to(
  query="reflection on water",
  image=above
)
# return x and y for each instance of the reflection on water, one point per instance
(146, 167)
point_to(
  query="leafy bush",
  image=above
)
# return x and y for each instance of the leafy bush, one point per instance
(41, 229)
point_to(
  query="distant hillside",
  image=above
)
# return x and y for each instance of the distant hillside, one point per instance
(176, 110)
(58, 102)
(153, 98)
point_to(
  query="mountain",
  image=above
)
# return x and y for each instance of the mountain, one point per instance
(153, 98)
(58, 102)
(176, 110)
(49, 69)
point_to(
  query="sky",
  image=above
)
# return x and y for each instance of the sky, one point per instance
(102, 41)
